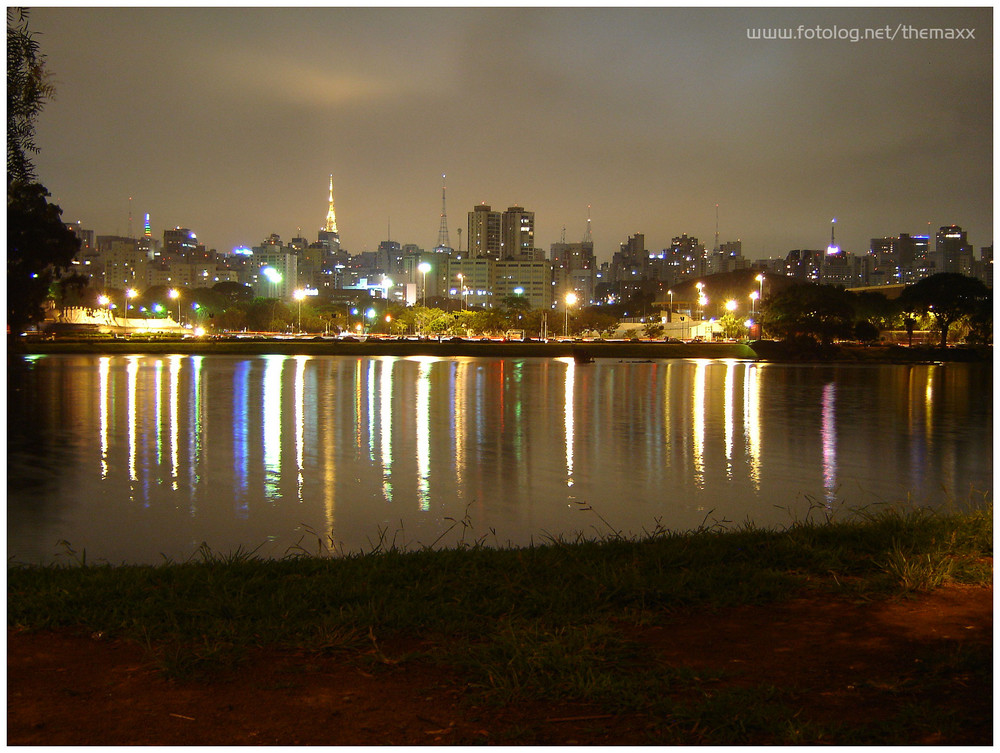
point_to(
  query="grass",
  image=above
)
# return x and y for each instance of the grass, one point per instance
(540, 622)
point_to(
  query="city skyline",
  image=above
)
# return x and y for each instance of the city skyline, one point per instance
(230, 122)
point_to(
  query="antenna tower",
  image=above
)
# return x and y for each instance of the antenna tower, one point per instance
(716, 228)
(129, 216)
(562, 238)
(587, 237)
(443, 241)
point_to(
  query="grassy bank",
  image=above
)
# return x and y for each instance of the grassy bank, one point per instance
(530, 623)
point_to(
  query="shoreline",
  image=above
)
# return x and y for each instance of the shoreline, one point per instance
(583, 351)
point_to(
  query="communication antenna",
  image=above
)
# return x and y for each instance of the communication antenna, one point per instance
(562, 238)
(587, 237)
(716, 228)
(129, 216)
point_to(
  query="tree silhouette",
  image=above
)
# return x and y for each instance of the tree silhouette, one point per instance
(948, 296)
(39, 245)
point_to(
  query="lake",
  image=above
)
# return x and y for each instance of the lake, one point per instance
(145, 458)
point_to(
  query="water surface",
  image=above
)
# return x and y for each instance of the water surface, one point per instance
(140, 458)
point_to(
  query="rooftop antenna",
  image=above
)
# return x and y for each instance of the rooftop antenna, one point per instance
(587, 237)
(129, 216)
(562, 238)
(460, 241)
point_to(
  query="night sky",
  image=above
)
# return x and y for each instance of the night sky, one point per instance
(230, 121)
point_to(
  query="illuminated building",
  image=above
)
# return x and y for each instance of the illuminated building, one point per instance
(517, 235)
(952, 250)
(531, 279)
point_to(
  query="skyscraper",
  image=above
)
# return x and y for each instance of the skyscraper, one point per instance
(484, 233)
(954, 254)
(517, 234)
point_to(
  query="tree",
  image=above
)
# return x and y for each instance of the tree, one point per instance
(947, 296)
(39, 245)
(819, 311)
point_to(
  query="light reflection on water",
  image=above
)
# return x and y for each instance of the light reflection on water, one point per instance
(138, 457)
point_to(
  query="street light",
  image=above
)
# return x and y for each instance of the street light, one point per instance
(129, 294)
(670, 311)
(298, 295)
(570, 301)
(730, 305)
(760, 281)
(175, 294)
(424, 268)
(753, 299)
(461, 285)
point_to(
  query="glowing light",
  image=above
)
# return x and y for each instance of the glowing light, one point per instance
(271, 274)
(730, 305)
(199, 331)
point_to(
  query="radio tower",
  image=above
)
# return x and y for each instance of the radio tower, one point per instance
(587, 237)
(716, 228)
(443, 241)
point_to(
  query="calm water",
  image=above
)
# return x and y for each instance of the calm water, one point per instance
(134, 458)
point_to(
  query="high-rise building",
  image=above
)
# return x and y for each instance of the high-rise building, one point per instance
(484, 236)
(180, 242)
(517, 235)
(954, 254)
(686, 255)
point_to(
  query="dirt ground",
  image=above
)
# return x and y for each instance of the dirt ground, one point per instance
(839, 659)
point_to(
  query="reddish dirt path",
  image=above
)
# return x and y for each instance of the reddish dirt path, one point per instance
(840, 660)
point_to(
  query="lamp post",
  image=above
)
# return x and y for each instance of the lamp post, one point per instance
(461, 288)
(299, 295)
(570, 301)
(760, 282)
(129, 294)
(670, 311)
(753, 299)
(175, 294)
(424, 268)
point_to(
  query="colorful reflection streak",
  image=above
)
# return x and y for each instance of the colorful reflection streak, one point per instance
(238, 451)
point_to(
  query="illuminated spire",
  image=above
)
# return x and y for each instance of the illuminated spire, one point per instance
(331, 216)
(833, 248)
(443, 240)
(587, 237)
(148, 231)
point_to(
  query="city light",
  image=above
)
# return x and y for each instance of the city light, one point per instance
(570, 301)
(730, 305)
(298, 295)
(424, 268)
(175, 295)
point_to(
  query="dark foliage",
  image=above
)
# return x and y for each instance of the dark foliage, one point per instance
(949, 296)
